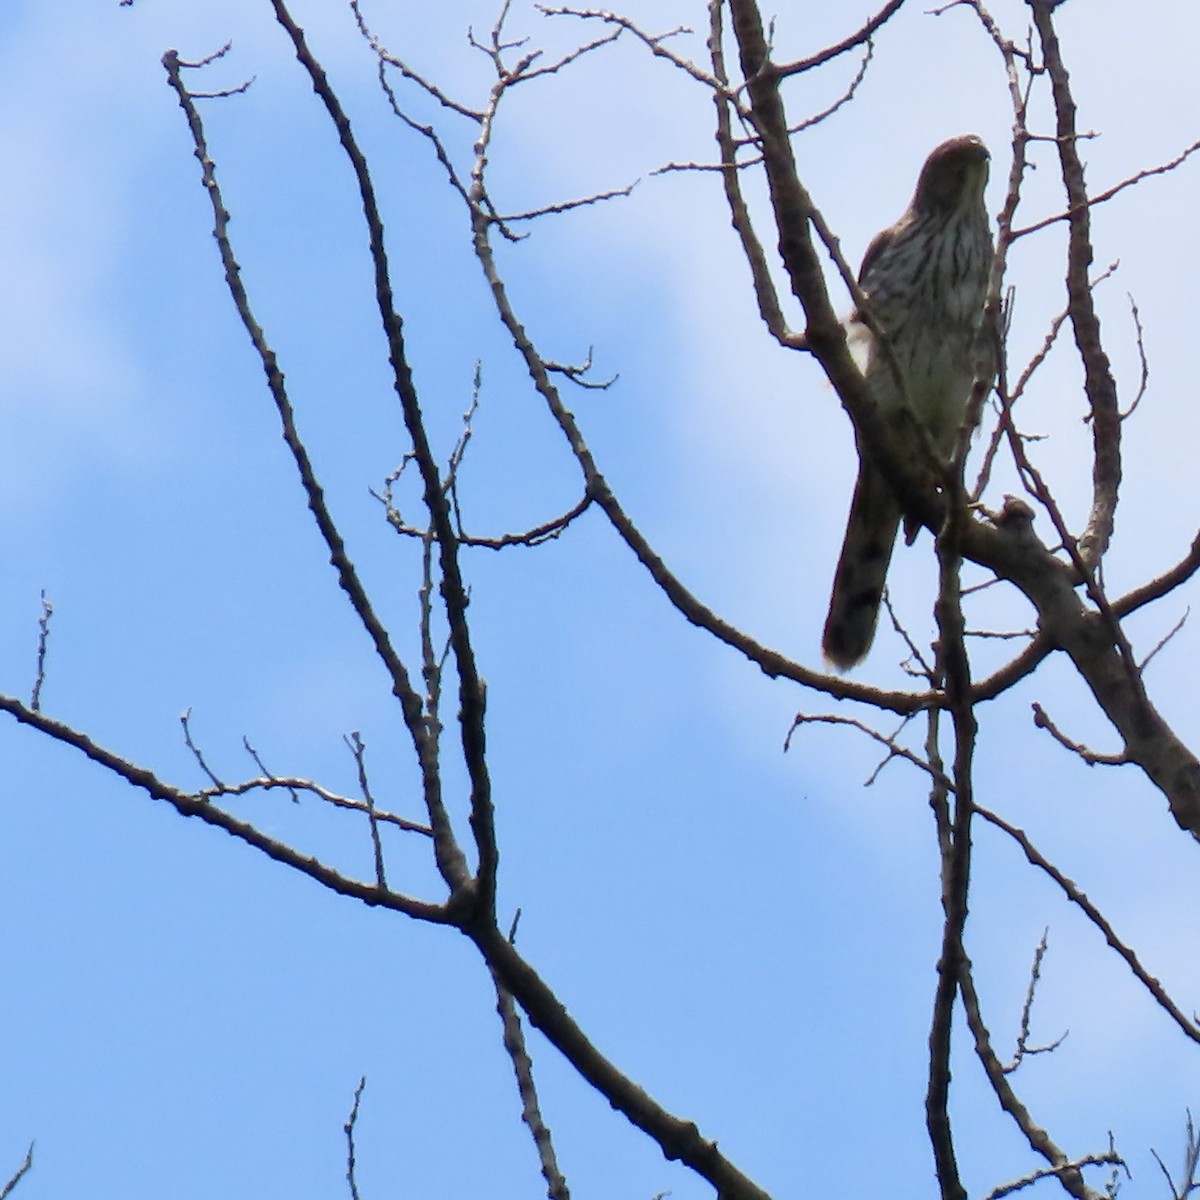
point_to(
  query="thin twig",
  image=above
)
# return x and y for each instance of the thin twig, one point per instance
(769, 306)
(185, 720)
(954, 812)
(1091, 757)
(1166, 637)
(1116, 189)
(1023, 1048)
(653, 41)
(531, 1112)
(450, 859)
(563, 206)
(35, 699)
(1144, 378)
(1191, 1159)
(1162, 585)
(546, 532)
(1088, 1160)
(197, 805)
(295, 785)
(576, 372)
(894, 749)
(359, 749)
(348, 1128)
(385, 57)
(1098, 382)
(1093, 914)
(1064, 1169)
(258, 762)
(19, 1174)
(861, 35)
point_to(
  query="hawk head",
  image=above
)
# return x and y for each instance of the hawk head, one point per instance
(953, 176)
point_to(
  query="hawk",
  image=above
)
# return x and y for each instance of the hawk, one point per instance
(925, 281)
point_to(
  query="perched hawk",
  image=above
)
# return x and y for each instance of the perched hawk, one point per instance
(925, 280)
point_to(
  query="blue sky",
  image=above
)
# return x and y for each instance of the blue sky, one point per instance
(750, 935)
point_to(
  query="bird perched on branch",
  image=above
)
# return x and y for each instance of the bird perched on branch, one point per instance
(925, 282)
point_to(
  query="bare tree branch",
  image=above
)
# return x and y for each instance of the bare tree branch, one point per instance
(18, 1175)
(1042, 721)
(348, 1129)
(1191, 1160)
(1115, 190)
(43, 644)
(1098, 382)
(185, 720)
(1023, 1048)
(1088, 1160)
(861, 35)
(1064, 1169)
(197, 805)
(1093, 914)
(531, 1112)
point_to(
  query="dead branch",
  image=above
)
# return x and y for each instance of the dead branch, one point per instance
(185, 720)
(953, 812)
(653, 42)
(1091, 757)
(1164, 640)
(269, 775)
(1098, 382)
(1116, 189)
(1023, 1048)
(43, 645)
(1062, 1168)
(679, 1140)
(1162, 585)
(1088, 1160)
(359, 749)
(385, 57)
(1093, 914)
(894, 748)
(863, 34)
(1191, 1160)
(197, 805)
(348, 1129)
(1140, 341)
(18, 1175)
(296, 785)
(576, 372)
(531, 1111)
(450, 859)
(563, 206)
